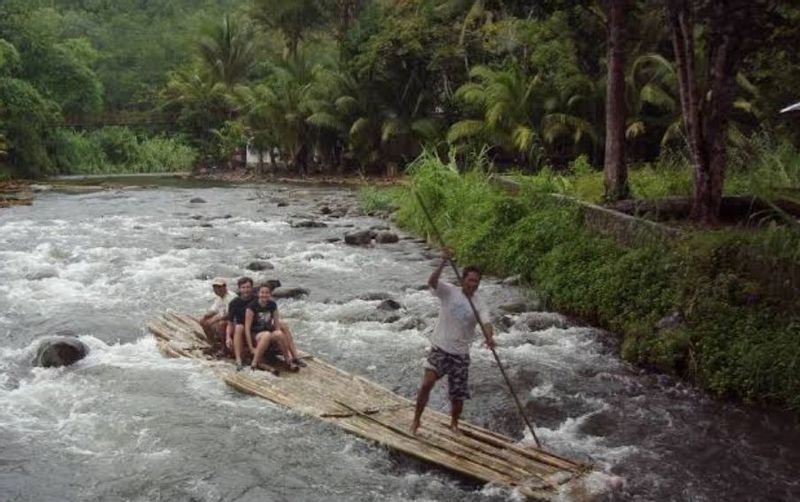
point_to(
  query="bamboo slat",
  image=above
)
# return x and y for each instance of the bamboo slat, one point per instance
(373, 412)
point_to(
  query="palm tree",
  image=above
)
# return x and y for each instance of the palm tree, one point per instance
(201, 105)
(293, 18)
(614, 167)
(228, 51)
(521, 115)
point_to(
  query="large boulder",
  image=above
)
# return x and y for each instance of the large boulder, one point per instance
(198, 200)
(59, 351)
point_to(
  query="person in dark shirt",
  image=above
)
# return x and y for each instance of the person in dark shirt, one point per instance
(236, 315)
(262, 329)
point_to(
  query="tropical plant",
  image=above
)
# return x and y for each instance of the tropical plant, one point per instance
(516, 114)
(227, 51)
(200, 105)
(293, 18)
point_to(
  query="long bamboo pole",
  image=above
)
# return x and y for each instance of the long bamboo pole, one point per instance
(480, 323)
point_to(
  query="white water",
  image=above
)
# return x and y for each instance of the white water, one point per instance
(128, 424)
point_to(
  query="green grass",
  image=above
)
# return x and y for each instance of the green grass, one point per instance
(377, 199)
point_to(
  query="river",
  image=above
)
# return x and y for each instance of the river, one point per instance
(126, 423)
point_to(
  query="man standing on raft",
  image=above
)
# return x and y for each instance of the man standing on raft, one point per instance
(451, 339)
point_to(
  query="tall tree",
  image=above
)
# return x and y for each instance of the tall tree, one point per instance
(293, 18)
(228, 51)
(730, 29)
(615, 170)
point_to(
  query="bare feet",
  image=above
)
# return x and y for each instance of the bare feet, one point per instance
(455, 430)
(414, 427)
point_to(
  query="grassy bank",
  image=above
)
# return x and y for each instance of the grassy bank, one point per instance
(738, 334)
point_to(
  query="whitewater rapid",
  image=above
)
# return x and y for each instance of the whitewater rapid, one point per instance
(127, 424)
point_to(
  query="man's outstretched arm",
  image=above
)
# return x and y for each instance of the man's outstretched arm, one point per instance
(433, 280)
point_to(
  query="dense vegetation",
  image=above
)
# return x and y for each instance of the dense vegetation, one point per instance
(736, 332)
(367, 84)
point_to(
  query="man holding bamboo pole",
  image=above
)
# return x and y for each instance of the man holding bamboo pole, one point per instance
(451, 339)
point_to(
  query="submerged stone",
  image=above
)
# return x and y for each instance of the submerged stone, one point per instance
(59, 351)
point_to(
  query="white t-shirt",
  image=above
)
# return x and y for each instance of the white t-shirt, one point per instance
(220, 305)
(455, 328)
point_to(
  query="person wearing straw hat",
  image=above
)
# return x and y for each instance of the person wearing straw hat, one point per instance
(215, 321)
(451, 339)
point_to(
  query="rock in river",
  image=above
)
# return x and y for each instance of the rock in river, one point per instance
(358, 238)
(290, 293)
(257, 266)
(386, 237)
(59, 351)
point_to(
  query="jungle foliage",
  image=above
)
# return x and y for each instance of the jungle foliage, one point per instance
(366, 85)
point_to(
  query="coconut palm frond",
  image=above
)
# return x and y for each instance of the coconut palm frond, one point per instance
(523, 138)
(326, 121)
(465, 129)
(635, 129)
(425, 128)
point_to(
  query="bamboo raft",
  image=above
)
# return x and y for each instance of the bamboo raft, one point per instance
(375, 413)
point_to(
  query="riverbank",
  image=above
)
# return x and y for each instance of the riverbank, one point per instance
(706, 306)
(249, 176)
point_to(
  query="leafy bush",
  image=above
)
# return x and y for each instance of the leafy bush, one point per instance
(76, 153)
(117, 150)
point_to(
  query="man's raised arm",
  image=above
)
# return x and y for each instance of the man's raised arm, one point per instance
(433, 280)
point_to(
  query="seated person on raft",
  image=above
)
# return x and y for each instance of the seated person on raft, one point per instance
(215, 321)
(262, 330)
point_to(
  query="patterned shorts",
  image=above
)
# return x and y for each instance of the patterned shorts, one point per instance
(456, 367)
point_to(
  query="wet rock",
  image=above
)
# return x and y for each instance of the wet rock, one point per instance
(258, 265)
(308, 224)
(386, 238)
(196, 217)
(198, 200)
(59, 351)
(538, 321)
(372, 296)
(418, 324)
(516, 308)
(391, 319)
(333, 239)
(272, 283)
(138, 227)
(290, 293)
(389, 304)
(358, 238)
(506, 321)
(207, 225)
(45, 273)
(325, 210)
(672, 321)
(314, 256)
(339, 212)
(513, 280)
(283, 203)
